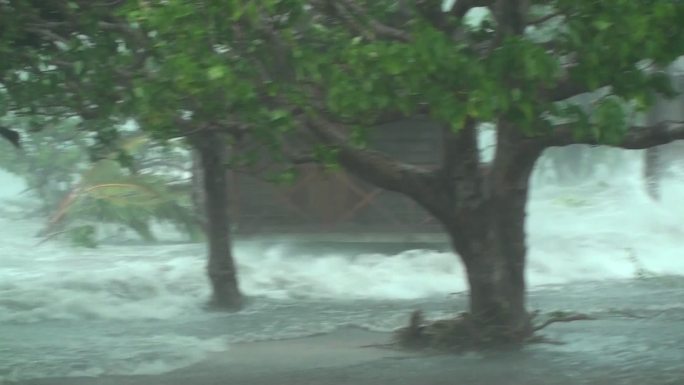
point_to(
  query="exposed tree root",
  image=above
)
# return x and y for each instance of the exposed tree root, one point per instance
(563, 317)
(462, 333)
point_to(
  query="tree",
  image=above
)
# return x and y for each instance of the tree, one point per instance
(89, 59)
(657, 159)
(528, 67)
(77, 192)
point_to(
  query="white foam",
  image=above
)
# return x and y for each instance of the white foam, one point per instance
(605, 229)
(10, 185)
(408, 275)
(85, 284)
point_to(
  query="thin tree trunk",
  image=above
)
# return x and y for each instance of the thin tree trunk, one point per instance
(221, 266)
(199, 200)
(652, 170)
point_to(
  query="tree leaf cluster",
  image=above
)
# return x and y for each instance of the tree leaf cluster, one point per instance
(256, 70)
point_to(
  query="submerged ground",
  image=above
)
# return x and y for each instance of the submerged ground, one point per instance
(610, 351)
(78, 316)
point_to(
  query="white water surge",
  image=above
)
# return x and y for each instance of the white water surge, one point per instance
(138, 309)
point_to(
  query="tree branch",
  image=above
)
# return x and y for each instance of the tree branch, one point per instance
(358, 19)
(379, 28)
(565, 90)
(461, 159)
(370, 165)
(545, 18)
(48, 35)
(636, 138)
(564, 318)
(353, 23)
(423, 185)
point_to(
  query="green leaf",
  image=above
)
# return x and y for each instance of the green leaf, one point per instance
(78, 67)
(216, 72)
(286, 177)
(602, 25)
(278, 114)
(139, 92)
(83, 236)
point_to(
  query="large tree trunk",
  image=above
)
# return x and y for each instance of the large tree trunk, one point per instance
(493, 251)
(489, 236)
(221, 266)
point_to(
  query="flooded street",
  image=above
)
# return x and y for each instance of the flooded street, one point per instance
(81, 316)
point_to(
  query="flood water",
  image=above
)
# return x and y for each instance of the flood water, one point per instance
(599, 246)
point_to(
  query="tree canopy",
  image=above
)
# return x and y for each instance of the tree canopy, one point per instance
(258, 67)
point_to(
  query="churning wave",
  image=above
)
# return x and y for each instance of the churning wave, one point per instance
(607, 230)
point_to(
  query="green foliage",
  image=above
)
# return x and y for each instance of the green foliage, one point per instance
(107, 193)
(50, 160)
(83, 236)
(327, 156)
(609, 42)
(285, 177)
(253, 69)
(610, 120)
(56, 165)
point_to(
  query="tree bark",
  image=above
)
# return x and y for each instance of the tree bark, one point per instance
(652, 171)
(490, 239)
(495, 266)
(221, 266)
(491, 244)
(199, 200)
